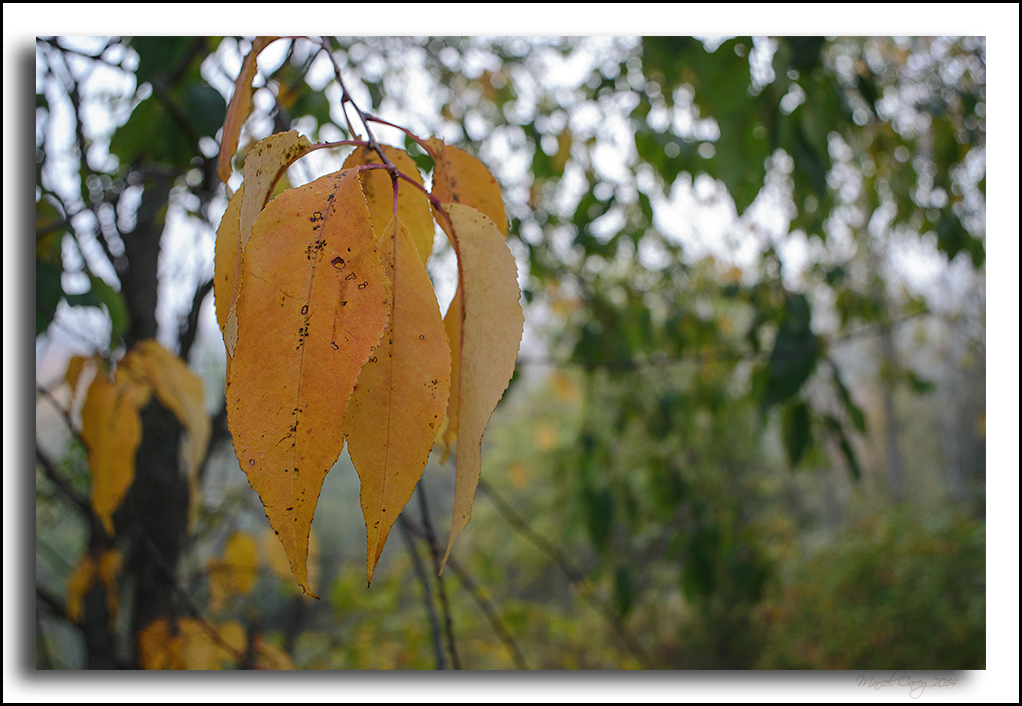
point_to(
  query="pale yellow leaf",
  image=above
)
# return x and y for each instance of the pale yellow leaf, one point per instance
(412, 206)
(312, 308)
(265, 164)
(239, 108)
(491, 331)
(452, 325)
(401, 394)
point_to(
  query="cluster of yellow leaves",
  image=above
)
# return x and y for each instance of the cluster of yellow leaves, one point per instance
(333, 331)
(191, 643)
(104, 565)
(112, 425)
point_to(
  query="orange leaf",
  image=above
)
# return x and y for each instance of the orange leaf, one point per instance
(412, 205)
(112, 432)
(491, 331)
(401, 394)
(461, 178)
(239, 108)
(312, 309)
(264, 166)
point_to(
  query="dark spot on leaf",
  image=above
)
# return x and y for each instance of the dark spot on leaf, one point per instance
(338, 263)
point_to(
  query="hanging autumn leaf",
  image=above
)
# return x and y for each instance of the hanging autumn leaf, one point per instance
(239, 108)
(491, 331)
(401, 395)
(314, 305)
(112, 432)
(264, 166)
(460, 178)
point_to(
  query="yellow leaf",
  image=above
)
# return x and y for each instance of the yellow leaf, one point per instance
(312, 309)
(264, 167)
(180, 391)
(401, 395)
(225, 257)
(491, 331)
(112, 432)
(239, 108)
(240, 554)
(236, 572)
(460, 178)
(412, 205)
(79, 583)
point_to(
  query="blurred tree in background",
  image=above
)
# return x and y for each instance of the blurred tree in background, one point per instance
(747, 427)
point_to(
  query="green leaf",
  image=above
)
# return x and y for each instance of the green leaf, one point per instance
(795, 353)
(624, 591)
(598, 509)
(796, 432)
(48, 293)
(205, 108)
(159, 55)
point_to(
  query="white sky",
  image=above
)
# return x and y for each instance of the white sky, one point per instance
(998, 22)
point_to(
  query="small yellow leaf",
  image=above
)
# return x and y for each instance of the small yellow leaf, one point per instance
(112, 432)
(401, 395)
(239, 108)
(491, 331)
(79, 583)
(314, 305)
(412, 205)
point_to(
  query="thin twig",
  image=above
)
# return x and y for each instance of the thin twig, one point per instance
(427, 593)
(431, 541)
(489, 612)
